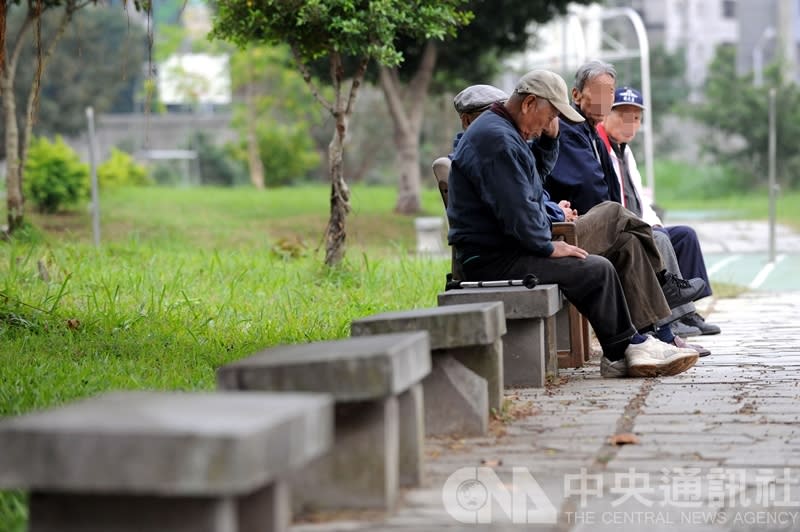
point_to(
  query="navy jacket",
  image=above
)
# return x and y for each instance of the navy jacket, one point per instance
(554, 212)
(582, 172)
(495, 192)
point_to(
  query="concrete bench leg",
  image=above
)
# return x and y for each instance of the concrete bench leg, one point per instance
(486, 361)
(457, 400)
(412, 436)
(267, 509)
(525, 347)
(361, 470)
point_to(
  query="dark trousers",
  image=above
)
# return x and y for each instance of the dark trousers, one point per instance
(591, 284)
(687, 250)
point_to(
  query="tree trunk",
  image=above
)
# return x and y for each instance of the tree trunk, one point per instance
(407, 106)
(253, 156)
(406, 143)
(14, 199)
(335, 234)
(341, 110)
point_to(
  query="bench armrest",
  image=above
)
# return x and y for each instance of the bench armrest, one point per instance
(565, 231)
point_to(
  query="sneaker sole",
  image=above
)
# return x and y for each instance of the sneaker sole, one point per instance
(674, 367)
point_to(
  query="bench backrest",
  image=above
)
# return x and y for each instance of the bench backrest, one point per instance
(441, 171)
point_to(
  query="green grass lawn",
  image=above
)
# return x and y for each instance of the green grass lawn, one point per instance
(682, 187)
(187, 280)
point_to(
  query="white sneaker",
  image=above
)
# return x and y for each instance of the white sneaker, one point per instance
(613, 369)
(653, 358)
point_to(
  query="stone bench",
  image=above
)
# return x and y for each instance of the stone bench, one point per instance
(529, 345)
(467, 380)
(379, 427)
(164, 462)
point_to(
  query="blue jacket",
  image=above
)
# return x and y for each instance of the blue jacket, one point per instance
(583, 170)
(554, 212)
(495, 192)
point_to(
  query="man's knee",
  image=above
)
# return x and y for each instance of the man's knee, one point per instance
(680, 232)
(599, 267)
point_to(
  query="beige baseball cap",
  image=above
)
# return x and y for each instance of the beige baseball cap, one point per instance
(551, 87)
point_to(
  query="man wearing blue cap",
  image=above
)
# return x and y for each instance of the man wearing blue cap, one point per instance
(617, 130)
(500, 229)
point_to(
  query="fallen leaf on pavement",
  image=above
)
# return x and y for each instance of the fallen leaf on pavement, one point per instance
(623, 439)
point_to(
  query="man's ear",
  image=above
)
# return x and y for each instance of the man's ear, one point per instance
(528, 103)
(575, 94)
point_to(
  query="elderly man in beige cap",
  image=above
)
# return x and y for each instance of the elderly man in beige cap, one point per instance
(500, 228)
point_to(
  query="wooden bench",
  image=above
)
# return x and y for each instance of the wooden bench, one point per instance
(164, 462)
(375, 382)
(466, 344)
(529, 345)
(573, 348)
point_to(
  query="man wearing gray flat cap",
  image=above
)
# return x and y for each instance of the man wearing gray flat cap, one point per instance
(500, 229)
(476, 99)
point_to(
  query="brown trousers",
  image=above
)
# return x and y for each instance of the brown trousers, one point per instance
(612, 231)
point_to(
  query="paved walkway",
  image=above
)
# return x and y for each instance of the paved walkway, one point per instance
(718, 447)
(737, 252)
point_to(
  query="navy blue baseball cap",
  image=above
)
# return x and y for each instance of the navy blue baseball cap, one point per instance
(628, 96)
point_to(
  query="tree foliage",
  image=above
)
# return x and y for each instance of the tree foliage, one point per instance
(737, 114)
(274, 111)
(474, 55)
(334, 29)
(99, 62)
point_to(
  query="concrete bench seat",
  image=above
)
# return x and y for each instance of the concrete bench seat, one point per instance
(467, 380)
(529, 345)
(166, 462)
(375, 382)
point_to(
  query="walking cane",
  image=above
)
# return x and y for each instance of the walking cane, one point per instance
(529, 281)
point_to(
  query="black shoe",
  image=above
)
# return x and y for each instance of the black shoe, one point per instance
(696, 320)
(679, 291)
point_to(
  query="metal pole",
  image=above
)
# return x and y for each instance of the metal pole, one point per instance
(93, 166)
(772, 184)
(758, 68)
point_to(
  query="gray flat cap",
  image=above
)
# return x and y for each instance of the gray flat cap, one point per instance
(478, 98)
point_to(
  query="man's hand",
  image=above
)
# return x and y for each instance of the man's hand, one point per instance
(570, 214)
(562, 249)
(552, 128)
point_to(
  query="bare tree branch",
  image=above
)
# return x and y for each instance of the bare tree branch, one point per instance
(37, 79)
(309, 80)
(12, 63)
(358, 78)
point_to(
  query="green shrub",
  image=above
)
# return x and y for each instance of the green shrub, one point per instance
(54, 175)
(167, 173)
(120, 170)
(287, 152)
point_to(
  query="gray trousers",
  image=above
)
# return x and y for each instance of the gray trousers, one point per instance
(613, 232)
(667, 252)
